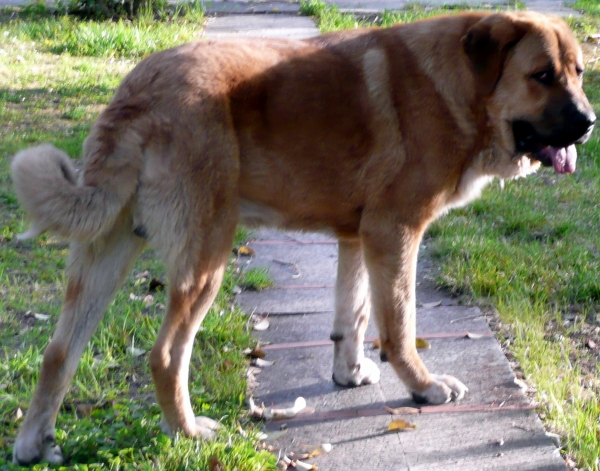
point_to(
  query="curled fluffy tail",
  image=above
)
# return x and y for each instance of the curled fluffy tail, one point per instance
(46, 185)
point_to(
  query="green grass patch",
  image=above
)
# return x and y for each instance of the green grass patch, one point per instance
(119, 39)
(590, 7)
(109, 419)
(257, 279)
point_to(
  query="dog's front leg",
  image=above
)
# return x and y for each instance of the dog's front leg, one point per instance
(391, 259)
(352, 309)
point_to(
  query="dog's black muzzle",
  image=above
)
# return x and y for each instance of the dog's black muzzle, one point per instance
(576, 128)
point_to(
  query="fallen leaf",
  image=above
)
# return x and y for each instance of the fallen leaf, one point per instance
(144, 274)
(256, 352)
(522, 385)
(304, 466)
(323, 448)
(237, 290)
(422, 343)
(85, 410)
(591, 344)
(432, 304)
(148, 300)
(41, 317)
(246, 251)
(290, 412)
(402, 410)
(400, 424)
(473, 336)
(376, 344)
(262, 325)
(262, 363)
(18, 414)
(214, 464)
(136, 352)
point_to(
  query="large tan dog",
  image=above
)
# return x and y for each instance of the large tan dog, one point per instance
(367, 134)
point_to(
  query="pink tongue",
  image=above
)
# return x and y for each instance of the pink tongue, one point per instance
(563, 159)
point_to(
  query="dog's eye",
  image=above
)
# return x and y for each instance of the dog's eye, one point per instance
(579, 71)
(545, 77)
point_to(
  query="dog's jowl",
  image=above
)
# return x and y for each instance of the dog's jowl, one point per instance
(366, 134)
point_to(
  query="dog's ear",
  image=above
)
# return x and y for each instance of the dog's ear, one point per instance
(487, 42)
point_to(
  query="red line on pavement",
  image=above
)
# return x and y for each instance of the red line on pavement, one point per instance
(302, 286)
(293, 242)
(323, 343)
(425, 410)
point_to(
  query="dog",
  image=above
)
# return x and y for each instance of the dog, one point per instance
(367, 134)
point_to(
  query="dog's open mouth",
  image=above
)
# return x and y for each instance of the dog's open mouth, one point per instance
(528, 141)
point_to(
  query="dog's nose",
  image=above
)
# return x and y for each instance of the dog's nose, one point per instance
(579, 120)
(589, 118)
(582, 119)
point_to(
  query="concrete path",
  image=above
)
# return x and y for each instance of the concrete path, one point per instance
(495, 427)
(292, 7)
(229, 7)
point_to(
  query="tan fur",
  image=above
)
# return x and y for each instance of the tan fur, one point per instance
(366, 134)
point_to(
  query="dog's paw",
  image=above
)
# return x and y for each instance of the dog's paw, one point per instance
(207, 427)
(29, 451)
(444, 389)
(366, 372)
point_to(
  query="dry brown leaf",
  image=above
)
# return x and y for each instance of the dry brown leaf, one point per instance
(246, 251)
(402, 410)
(215, 465)
(432, 304)
(401, 424)
(376, 343)
(323, 448)
(474, 336)
(85, 410)
(422, 343)
(256, 352)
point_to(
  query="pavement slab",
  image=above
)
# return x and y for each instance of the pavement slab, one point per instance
(494, 428)
(262, 26)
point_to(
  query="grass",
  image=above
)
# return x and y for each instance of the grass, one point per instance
(530, 253)
(257, 279)
(56, 75)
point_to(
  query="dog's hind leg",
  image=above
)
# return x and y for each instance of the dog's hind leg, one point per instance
(352, 309)
(192, 291)
(96, 270)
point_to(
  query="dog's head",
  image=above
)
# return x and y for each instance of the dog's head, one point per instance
(529, 68)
